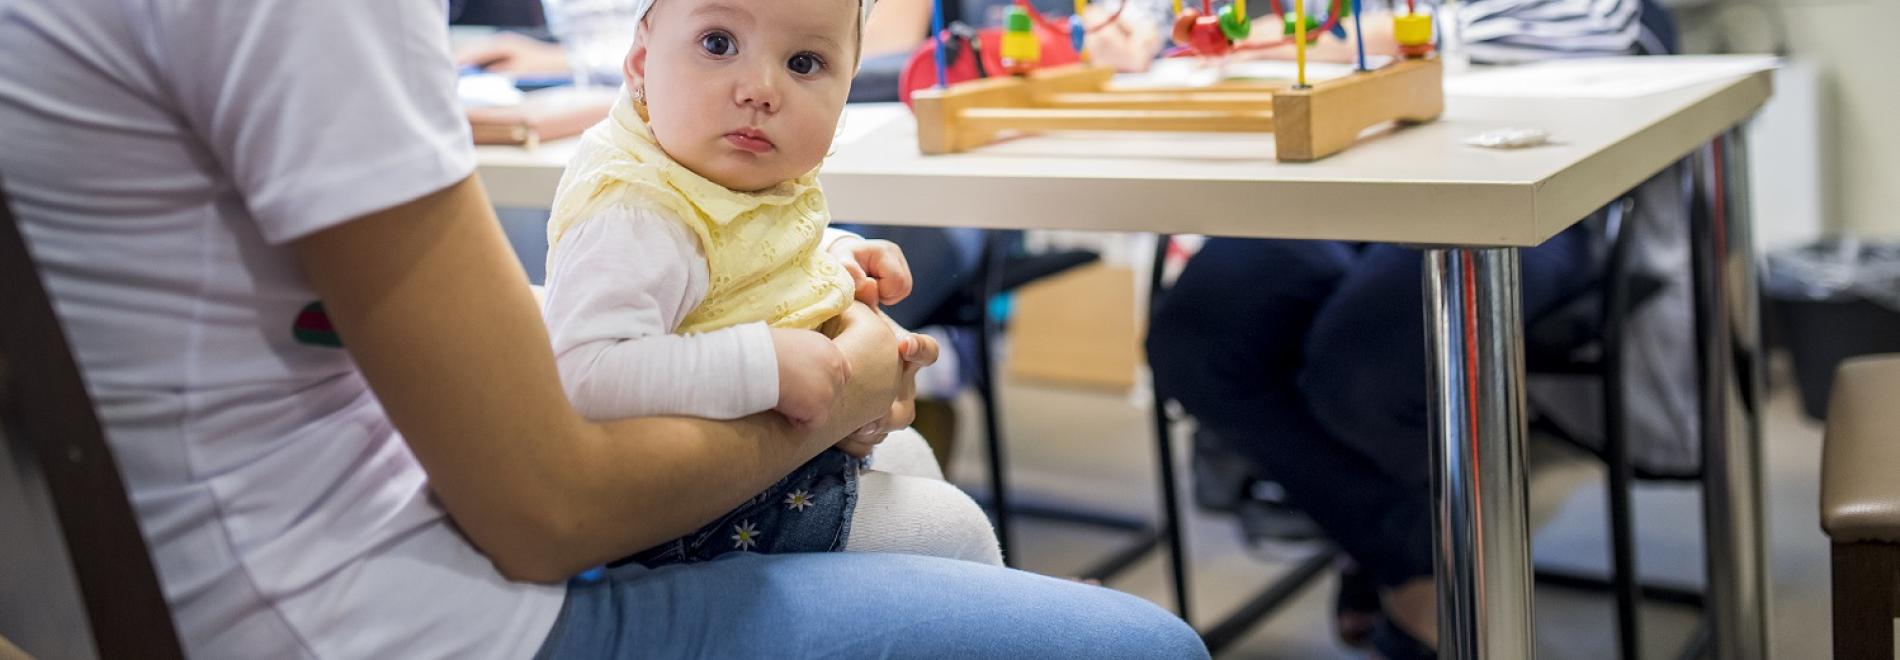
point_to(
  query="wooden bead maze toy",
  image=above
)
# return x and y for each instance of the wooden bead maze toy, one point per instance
(1308, 121)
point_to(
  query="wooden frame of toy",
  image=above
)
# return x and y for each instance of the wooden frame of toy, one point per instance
(1308, 122)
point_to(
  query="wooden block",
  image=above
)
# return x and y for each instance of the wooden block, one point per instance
(1071, 78)
(939, 112)
(1268, 86)
(990, 121)
(1244, 101)
(1308, 124)
(940, 125)
(1324, 120)
(1077, 329)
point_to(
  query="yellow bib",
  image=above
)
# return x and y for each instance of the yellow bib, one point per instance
(761, 248)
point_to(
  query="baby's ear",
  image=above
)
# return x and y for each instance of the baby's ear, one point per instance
(635, 67)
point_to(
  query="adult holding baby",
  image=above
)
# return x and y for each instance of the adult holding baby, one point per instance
(193, 176)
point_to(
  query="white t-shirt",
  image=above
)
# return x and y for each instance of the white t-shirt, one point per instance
(159, 156)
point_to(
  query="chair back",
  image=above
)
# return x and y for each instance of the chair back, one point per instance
(76, 579)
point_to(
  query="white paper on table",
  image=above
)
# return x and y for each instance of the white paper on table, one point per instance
(1604, 77)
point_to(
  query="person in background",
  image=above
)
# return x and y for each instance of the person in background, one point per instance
(1308, 357)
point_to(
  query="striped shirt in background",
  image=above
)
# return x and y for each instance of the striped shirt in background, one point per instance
(1516, 31)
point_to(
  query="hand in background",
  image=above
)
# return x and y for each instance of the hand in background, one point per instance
(513, 54)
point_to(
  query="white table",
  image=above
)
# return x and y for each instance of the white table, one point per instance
(1418, 185)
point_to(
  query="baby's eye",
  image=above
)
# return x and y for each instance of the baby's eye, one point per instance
(804, 64)
(718, 44)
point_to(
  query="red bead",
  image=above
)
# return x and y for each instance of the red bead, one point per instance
(1207, 39)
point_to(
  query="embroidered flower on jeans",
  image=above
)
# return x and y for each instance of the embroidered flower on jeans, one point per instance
(745, 535)
(798, 500)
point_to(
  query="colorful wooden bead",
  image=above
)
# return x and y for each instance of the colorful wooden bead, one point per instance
(1312, 25)
(1207, 39)
(1414, 33)
(1021, 50)
(1234, 24)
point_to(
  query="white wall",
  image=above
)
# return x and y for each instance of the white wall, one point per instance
(1855, 46)
(1786, 161)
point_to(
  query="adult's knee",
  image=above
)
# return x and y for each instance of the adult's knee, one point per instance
(1096, 622)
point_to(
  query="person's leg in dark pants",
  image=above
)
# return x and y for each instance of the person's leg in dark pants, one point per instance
(1228, 342)
(1364, 380)
(1226, 337)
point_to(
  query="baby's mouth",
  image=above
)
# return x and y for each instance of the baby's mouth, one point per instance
(750, 139)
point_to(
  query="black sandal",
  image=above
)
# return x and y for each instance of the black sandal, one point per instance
(1391, 643)
(1356, 608)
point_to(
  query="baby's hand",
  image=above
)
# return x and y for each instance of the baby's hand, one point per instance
(878, 270)
(811, 375)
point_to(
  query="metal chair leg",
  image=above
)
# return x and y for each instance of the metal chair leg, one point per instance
(1616, 447)
(995, 250)
(1164, 460)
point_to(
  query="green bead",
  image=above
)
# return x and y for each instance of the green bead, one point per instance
(1016, 19)
(1312, 24)
(1235, 26)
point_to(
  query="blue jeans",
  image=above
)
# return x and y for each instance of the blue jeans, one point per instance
(1308, 357)
(850, 605)
(807, 511)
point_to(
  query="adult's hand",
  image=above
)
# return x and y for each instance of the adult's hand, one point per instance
(516, 55)
(918, 351)
(871, 345)
(1128, 45)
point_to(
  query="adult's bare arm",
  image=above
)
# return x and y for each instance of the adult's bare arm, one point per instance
(433, 307)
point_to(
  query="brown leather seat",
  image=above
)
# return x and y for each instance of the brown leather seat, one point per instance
(1860, 470)
(1860, 505)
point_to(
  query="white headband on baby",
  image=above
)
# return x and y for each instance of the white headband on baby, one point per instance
(640, 8)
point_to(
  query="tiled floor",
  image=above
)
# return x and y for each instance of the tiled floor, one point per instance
(1094, 448)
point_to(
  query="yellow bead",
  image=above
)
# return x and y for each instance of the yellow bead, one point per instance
(1412, 29)
(1021, 46)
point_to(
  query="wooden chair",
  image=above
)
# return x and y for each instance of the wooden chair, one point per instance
(76, 579)
(1860, 505)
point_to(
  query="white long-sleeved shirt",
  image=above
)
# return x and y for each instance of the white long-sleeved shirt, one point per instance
(617, 286)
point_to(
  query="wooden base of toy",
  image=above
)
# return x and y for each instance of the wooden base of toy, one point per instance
(1307, 124)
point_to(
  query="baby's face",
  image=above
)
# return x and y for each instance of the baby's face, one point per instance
(746, 93)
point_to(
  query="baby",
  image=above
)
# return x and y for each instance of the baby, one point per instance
(690, 264)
